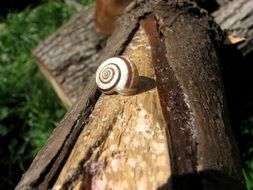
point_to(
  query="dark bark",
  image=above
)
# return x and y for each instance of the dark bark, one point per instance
(186, 48)
(211, 5)
(51, 157)
(69, 63)
(186, 60)
(69, 57)
(237, 19)
(107, 11)
(39, 174)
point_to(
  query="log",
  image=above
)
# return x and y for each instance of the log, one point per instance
(69, 73)
(173, 134)
(236, 18)
(69, 57)
(118, 129)
(107, 11)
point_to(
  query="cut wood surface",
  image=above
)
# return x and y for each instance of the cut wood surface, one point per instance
(51, 157)
(126, 135)
(69, 57)
(237, 19)
(69, 73)
(176, 135)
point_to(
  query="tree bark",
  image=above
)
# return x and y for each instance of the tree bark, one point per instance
(107, 11)
(69, 57)
(237, 19)
(174, 136)
(126, 135)
(69, 73)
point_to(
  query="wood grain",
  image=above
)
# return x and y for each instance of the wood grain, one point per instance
(192, 146)
(69, 57)
(125, 138)
(69, 73)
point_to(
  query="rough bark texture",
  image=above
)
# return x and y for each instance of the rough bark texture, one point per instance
(237, 19)
(107, 11)
(50, 158)
(69, 57)
(190, 118)
(46, 162)
(191, 78)
(126, 135)
(69, 73)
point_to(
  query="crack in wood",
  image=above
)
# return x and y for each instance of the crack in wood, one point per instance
(178, 116)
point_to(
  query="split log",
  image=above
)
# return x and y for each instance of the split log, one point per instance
(69, 57)
(126, 135)
(174, 134)
(70, 73)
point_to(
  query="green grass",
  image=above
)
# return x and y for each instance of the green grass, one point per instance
(247, 152)
(29, 108)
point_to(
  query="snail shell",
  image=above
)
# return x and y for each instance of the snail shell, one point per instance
(117, 75)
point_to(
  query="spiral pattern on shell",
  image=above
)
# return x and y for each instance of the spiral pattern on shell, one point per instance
(117, 75)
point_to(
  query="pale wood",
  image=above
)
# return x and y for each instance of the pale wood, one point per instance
(54, 152)
(125, 139)
(185, 50)
(43, 170)
(69, 73)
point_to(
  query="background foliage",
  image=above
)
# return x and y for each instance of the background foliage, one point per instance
(29, 108)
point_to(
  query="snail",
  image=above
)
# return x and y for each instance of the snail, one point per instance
(117, 75)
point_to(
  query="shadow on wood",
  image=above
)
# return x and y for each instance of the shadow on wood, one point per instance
(174, 131)
(207, 179)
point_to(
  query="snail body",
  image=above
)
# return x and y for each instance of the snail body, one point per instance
(117, 75)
